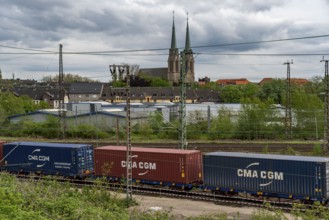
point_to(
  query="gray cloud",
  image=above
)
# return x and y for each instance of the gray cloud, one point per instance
(123, 25)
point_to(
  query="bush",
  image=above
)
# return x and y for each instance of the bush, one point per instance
(82, 131)
(55, 200)
(317, 150)
(289, 151)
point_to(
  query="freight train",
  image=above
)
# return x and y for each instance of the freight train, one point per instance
(230, 173)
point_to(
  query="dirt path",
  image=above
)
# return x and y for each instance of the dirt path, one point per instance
(182, 208)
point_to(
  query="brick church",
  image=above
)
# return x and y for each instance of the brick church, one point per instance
(172, 72)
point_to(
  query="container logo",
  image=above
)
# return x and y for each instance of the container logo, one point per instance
(34, 156)
(270, 176)
(144, 166)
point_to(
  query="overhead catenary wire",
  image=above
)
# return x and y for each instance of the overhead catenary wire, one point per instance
(161, 49)
(266, 54)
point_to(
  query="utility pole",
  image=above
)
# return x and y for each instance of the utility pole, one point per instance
(209, 118)
(125, 69)
(61, 111)
(182, 106)
(326, 105)
(288, 118)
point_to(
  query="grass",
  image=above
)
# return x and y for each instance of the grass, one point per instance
(43, 200)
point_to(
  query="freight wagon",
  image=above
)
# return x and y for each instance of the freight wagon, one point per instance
(171, 167)
(69, 160)
(293, 177)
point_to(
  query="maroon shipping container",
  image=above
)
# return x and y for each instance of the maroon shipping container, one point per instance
(150, 164)
(1, 151)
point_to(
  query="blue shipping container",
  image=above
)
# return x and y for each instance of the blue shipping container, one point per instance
(49, 158)
(285, 176)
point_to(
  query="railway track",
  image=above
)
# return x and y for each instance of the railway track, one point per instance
(197, 194)
(236, 147)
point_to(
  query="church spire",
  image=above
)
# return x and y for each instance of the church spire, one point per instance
(187, 40)
(173, 35)
(173, 58)
(189, 57)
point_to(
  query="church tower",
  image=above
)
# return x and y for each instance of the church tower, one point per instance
(173, 59)
(189, 57)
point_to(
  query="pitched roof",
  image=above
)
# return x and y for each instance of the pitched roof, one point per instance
(37, 93)
(233, 81)
(299, 81)
(86, 88)
(201, 95)
(265, 80)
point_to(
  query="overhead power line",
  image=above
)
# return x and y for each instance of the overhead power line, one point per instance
(202, 53)
(158, 49)
(28, 49)
(265, 41)
(265, 54)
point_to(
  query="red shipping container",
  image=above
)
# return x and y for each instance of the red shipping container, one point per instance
(150, 164)
(1, 151)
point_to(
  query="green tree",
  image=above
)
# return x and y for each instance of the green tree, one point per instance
(197, 126)
(315, 86)
(155, 121)
(68, 77)
(42, 105)
(274, 90)
(11, 104)
(231, 94)
(222, 127)
(307, 114)
(158, 82)
(255, 119)
(119, 84)
(28, 104)
(209, 85)
(3, 115)
(249, 90)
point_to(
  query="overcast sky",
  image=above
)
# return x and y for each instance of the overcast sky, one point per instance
(121, 25)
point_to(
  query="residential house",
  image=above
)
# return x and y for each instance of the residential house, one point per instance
(84, 91)
(37, 94)
(225, 82)
(203, 81)
(158, 94)
(297, 81)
